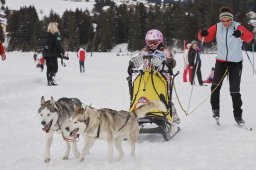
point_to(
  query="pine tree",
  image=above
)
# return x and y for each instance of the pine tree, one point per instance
(106, 30)
(22, 27)
(136, 35)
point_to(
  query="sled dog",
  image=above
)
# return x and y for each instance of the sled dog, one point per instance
(110, 125)
(54, 115)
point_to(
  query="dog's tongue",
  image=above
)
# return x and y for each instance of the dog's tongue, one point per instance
(46, 127)
(74, 134)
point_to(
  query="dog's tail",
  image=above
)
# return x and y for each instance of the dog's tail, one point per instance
(151, 105)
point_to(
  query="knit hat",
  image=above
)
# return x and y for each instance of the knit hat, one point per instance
(226, 12)
(226, 15)
(192, 42)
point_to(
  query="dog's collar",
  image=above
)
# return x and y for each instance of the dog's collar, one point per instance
(134, 112)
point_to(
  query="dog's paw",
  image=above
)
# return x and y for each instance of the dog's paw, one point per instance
(81, 159)
(46, 160)
(120, 158)
(65, 158)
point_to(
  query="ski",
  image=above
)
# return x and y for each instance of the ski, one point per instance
(217, 121)
(174, 134)
(243, 127)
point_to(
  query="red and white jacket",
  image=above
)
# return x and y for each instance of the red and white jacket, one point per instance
(229, 47)
(81, 54)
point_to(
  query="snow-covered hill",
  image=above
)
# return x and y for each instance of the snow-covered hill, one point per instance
(44, 7)
(201, 145)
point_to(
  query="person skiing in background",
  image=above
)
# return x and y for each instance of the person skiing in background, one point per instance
(195, 63)
(229, 36)
(81, 54)
(53, 52)
(210, 77)
(187, 70)
(2, 51)
(35, 56)
(41, 63)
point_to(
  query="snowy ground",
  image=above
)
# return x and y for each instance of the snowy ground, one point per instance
(200, 145)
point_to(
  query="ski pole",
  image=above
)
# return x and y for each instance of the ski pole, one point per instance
(191, 92)
(253, 55)
(252, 64)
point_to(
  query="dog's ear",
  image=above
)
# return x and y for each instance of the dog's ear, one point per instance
(42, 100)
(52, 102)
(86, 115)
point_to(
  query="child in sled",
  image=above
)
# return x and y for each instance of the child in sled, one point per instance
(154, 41)
(210, 77)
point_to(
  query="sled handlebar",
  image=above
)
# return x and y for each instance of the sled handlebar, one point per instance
(149, 56)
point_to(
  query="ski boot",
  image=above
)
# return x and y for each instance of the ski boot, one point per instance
(216, 116)
(239, 121)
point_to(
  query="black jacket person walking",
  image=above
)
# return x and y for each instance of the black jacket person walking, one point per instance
(54, 51)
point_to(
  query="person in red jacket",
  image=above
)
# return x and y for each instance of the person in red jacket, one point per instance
(2, 51)
(229, 36)
(41, 63)
(81, 54)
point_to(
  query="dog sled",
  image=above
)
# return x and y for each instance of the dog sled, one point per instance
(151, 78)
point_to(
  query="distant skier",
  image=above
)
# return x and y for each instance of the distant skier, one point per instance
(2, 51)
(187, 69)
(210, 77)
(81, 54)
(229, 36)
(195, 63)
(35, 56)
(41, 63)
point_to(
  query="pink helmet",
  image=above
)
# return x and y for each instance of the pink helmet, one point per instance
(154, 35)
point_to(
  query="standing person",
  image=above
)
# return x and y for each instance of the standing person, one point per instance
(195, 63)
(2, 51)
(229, 36)
(81, 54)
(53, 52)
(187, 69)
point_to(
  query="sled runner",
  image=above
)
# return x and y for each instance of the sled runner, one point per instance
(151, 78)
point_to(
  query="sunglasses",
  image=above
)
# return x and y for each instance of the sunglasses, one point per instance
(152, 42)
(226, 20)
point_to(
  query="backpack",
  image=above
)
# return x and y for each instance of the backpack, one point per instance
(43, 43)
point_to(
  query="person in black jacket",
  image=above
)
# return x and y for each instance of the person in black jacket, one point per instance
(195, 63)
(54, 51)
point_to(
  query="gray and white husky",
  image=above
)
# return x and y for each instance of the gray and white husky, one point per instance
(110, 125)
(54, 115)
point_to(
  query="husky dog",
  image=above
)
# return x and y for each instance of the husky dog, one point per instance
(110, 125)
(53, 116)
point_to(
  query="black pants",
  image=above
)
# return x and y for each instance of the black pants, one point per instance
(52, 67)
(234, 75)
(198, 73)
(81, 64)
